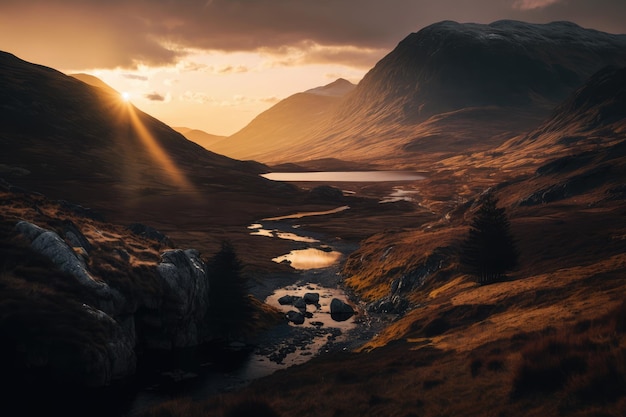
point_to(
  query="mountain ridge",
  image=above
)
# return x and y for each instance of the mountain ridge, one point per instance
(435, 91)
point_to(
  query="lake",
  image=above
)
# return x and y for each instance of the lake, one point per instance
(344, 176)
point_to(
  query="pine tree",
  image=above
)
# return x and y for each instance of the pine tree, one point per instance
(230, 307)
(489, 250)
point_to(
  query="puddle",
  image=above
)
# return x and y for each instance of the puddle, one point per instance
(310, 258)
(260, 231)
(320, 312)
(399, 194)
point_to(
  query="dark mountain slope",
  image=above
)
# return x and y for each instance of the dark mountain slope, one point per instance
(82, 143)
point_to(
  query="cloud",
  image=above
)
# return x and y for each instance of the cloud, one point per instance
(234, 101)
(313, 53)
(155, 96)
(533, 4)
(85, 34)
(231, 69)
(135, 77)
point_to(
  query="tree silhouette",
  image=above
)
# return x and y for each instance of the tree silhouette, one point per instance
(230, 307)
(489, 250)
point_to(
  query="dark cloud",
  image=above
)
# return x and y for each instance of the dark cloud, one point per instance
(92, 33)
(155, 97)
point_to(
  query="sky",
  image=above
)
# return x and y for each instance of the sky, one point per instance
(216, 64)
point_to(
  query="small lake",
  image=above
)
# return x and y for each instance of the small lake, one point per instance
(344, 176)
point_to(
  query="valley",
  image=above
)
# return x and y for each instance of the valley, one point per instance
(161, 277)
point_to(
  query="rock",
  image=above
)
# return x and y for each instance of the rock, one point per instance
(299, 303)
(80, 210)
(286, 300)
(117, 359)
(187, 285)
(50, 245)
(295, 317)
(74, 237)
(340, 311)
(150, 233)
(311, 298)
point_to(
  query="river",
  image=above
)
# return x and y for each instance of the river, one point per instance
(315, 270)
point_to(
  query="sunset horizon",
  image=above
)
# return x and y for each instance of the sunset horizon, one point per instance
(215, 65)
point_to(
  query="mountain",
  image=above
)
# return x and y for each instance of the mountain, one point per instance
(94, 81)
(452, 88)
(73, 141)
(279, 127)
(202, 138)
(579, 150)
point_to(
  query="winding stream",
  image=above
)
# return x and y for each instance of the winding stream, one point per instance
(315, 271)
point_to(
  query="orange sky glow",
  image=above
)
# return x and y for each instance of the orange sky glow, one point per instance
(216, 64)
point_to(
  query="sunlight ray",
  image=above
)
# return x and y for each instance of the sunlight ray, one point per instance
(156, 151)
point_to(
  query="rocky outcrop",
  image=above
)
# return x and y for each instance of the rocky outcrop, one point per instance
(52, 246)
(396, 302)
(116, 360)
(174, 316)
(187, 287)
(150, 233)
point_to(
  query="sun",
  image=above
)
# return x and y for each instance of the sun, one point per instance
(125, 96)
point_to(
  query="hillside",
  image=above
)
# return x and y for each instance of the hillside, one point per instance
(549, 339)
(83, 144)
(281, 126)
(453, 88)
(202, 138)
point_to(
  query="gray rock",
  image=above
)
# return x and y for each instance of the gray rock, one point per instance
(117, 359)
(75, 237)
(50, 245)
(185, 278)
(295, 317)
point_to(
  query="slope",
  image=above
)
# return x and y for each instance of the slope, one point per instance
(281, 126)
(81, 143)
(452, 88)
(202, 138)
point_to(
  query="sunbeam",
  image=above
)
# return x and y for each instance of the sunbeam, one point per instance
(155, 150)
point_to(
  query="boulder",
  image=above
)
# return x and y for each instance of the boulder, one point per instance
(311, 298)
(295, 317)
(150, 233)
(286, 300)
(186, 281)
(299, 303)
(116, 360)
(340, 311)
(50, 245)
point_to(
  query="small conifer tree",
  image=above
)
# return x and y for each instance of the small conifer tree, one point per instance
(489, 249)
(230, 307)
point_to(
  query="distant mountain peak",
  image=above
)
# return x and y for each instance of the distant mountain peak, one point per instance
(337, 88)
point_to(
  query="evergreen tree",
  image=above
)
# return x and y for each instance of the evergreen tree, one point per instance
(489, 250)
(230, 306)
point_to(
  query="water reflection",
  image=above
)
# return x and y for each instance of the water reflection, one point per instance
(308, 213)
(399, 194)
(345, 176)
(260, 231)
(310, 258)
